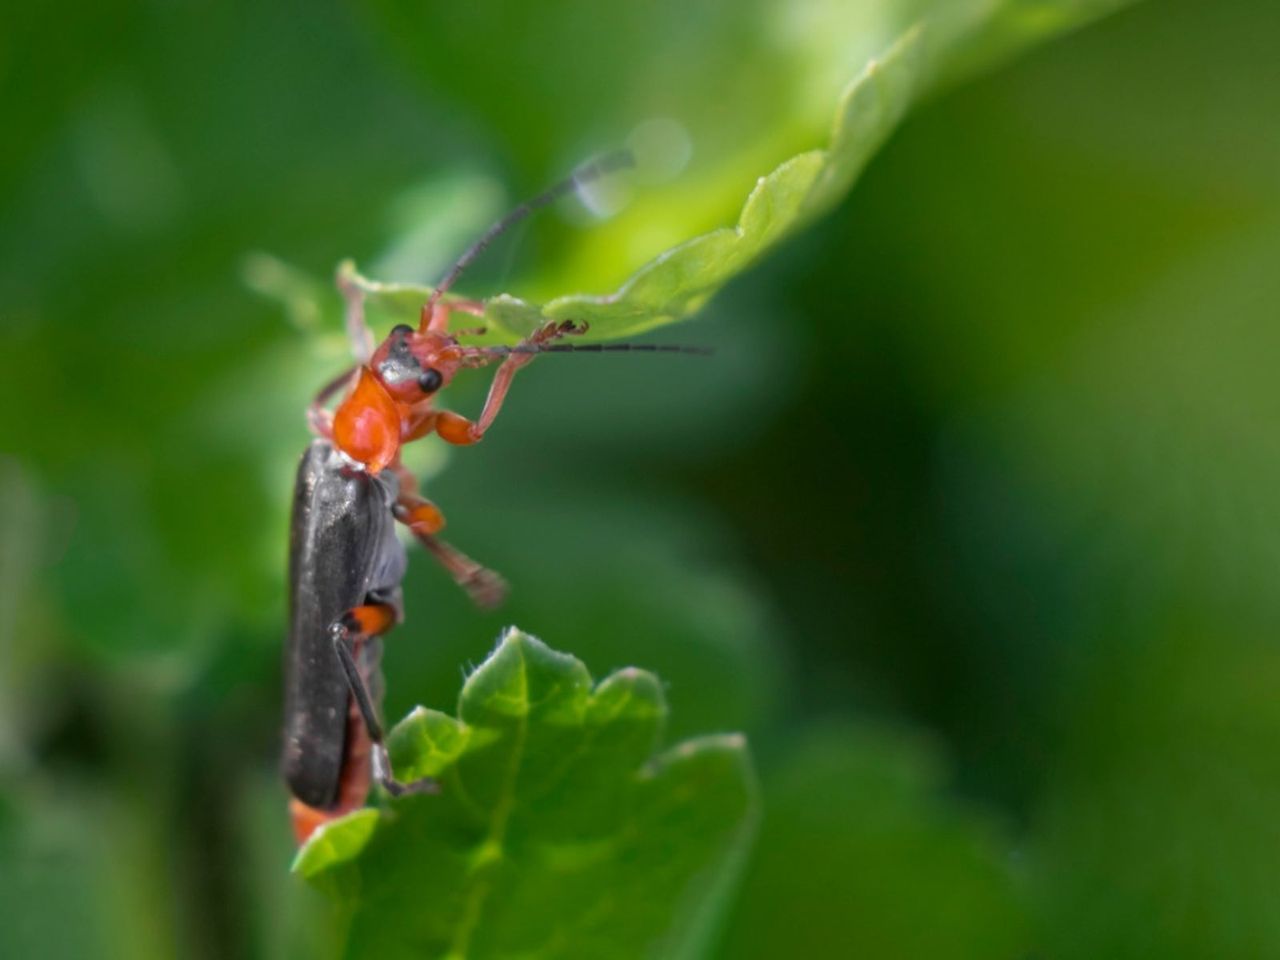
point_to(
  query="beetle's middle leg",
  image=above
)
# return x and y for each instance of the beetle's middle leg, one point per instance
(485, 587)
(349, 632)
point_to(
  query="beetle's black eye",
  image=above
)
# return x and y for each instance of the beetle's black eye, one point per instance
(430, 380)
(401, 330)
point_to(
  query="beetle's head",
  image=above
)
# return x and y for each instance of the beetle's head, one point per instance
(412, 365)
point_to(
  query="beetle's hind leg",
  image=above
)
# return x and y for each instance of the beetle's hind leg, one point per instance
(348, 633)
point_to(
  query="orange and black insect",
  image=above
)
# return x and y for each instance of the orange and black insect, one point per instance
(345, 560)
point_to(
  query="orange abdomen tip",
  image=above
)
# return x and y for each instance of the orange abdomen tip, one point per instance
(306, 820)
(366, 427)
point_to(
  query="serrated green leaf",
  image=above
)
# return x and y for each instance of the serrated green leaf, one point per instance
(677, 283)
(557, 832)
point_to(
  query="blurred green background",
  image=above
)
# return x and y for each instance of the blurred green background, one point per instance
(972, 522)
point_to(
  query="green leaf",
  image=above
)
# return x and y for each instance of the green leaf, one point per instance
(944, 41)
(677, 283)
(557, 831)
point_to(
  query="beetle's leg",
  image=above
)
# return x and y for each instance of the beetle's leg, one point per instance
(437, 319)
(348, 633)
(419, 514)
(358, 331)
(420, 421)
(319, 417)
(457, 429)
(486, 588)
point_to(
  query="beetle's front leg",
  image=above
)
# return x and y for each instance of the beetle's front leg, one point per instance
(458, 429)
(436, 319)
(358, 331)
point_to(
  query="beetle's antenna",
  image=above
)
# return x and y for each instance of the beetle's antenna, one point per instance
(593, 170)
(503, 351)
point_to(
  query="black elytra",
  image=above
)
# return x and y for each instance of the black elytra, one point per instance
(343, 553)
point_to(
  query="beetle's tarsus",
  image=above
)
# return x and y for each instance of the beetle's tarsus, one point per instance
(386, 778)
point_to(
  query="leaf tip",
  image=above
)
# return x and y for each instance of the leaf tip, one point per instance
(631, 692)
(641, 682)
(719, 751)
(513, 641)
(520, 663)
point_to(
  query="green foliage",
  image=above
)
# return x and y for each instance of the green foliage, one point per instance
(557, 832)
(860, 848)
(988, 456)
(1175, 812)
